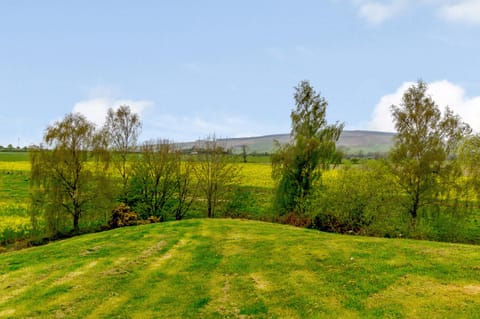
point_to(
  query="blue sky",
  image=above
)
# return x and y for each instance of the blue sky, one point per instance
(193, 68)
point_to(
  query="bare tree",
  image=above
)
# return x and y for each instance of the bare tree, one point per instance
(244, 152)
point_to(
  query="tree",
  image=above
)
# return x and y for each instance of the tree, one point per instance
(185, 191)
(425, 142)
(297, 165)
(63, 182)
(244, 152)
(469, 157)
(215, 173)
(154, 176)
(122, 127)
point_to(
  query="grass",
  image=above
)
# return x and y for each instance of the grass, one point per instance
(239, 269)
(14, 196)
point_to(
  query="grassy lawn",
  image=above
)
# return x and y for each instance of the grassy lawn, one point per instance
(239, 269)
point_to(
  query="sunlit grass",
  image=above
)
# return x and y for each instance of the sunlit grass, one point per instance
(230, 268)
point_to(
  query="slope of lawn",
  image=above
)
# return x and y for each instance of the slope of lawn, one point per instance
(239, 269)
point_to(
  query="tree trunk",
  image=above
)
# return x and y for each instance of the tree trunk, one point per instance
(76, 218)
(414, 209)
(209, 209)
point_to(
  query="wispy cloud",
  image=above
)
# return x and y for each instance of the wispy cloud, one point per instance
(376, 12)
(466, 11)
(444, 93)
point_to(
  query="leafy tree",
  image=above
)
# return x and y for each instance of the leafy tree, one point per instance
(62, 179)
(422, 148)
(184, 188)
(469, 157)
(297, 165)
(153, 182)
(122, 127)
(215, 173)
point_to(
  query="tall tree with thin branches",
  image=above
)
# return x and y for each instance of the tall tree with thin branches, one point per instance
(215, 173)
(123, 128)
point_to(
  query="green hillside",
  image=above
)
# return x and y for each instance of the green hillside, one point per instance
(239, 269)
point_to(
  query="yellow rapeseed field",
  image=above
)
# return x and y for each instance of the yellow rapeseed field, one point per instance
(15, 166)
(256, 175)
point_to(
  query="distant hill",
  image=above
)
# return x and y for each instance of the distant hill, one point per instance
(352, 142)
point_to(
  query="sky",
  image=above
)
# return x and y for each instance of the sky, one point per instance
(229, 68)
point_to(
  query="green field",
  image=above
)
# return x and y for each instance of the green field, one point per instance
(255, 192)
(14, 194)
(224, 268)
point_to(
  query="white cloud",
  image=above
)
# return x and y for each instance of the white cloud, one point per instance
(466, 11)
(382, 119)
(444, 93)
(95, 109)
(376, 12)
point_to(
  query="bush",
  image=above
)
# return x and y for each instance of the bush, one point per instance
(122, 216)
(295, 219)
(360, 200)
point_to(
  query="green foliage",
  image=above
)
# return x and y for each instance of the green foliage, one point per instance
(122, 216)
(423, 145)
(122, 128)
(62, 183)
(296, 165)
(162, 182)
(359, 199)
(469, 157)
(185, 189)
(215, 173)
(152, 186)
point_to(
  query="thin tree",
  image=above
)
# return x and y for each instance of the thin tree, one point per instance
(297, 165)
(215, 173)
(185, 187)
(425, 141)
(244, 152)
(123, 128)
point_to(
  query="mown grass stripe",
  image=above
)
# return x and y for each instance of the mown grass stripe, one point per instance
(232, 268)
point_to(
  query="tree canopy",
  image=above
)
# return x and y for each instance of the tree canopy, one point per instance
(426, 140)
(296, 166)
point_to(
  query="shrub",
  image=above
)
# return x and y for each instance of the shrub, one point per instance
(360, 200)
(295, 219)
(122, 216)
